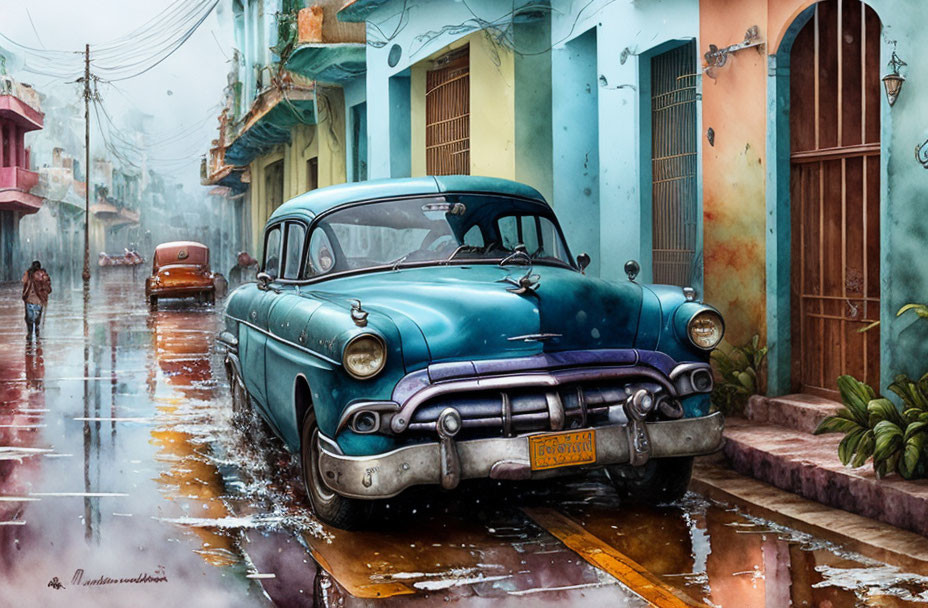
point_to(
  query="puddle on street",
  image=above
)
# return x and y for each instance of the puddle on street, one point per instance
(119, 459)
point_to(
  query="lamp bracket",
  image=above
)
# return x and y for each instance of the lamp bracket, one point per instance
(716, 57)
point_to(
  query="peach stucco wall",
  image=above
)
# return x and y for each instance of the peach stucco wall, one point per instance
(734, 206)
(735, 168)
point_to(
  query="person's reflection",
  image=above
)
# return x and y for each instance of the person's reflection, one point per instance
(35, 366)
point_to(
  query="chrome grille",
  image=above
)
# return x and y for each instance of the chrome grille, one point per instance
(514, 412)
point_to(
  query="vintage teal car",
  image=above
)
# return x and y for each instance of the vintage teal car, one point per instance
(428, 330)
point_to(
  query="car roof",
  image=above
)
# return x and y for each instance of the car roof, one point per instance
(179, 244)
(318, 201)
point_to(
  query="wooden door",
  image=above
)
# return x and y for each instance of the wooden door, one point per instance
(835, 196)
(674, 203)
(447, 115)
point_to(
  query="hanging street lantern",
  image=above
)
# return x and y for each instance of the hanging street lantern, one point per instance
(893, 81)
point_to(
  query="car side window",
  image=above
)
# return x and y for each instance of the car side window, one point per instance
(272, 252)
(320, 257)
(509, 231)
(530, 236)
(294, 253)
(474, 237)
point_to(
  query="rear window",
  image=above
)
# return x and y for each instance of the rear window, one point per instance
(182, 254)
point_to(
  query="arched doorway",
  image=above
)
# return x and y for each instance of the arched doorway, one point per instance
(835, 196)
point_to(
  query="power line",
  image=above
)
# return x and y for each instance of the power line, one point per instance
(137, 52)
(32, 23)
(179, 44)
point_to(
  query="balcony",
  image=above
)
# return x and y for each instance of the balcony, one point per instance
(15, 184)
(328, 50)
(19, 105)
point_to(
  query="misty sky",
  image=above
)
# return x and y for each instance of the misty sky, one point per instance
(182, 94)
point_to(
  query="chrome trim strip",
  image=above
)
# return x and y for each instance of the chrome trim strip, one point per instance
(555, 410)
(281, 340)
(331, 444)
(507, 414)
(354, 408)
(687, 367)
(534, 337)
(682, 378)
(385, 475)
(581, 403)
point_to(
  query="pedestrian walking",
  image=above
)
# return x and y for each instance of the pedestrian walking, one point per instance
(37, 286)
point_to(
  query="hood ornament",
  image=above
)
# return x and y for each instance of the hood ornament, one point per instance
(358, 314)
(527, 283)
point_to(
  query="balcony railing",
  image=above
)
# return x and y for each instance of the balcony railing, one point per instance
(17, 178)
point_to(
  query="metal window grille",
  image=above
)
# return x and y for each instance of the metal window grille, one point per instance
(447, 115)
(673, 164)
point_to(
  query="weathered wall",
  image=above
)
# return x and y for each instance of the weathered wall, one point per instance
(324, 141)
(733, 175)
(492, 107)
(617, 172)
(504, 142)
(903, 223)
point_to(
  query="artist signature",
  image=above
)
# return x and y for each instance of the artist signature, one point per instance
(82, 579)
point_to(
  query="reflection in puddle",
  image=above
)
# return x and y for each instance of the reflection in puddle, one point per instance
(723, 557)
(82, 487)
(190, 483)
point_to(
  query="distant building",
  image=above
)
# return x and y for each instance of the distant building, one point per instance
(283, 129)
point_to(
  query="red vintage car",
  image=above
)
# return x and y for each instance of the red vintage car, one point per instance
(180, 269)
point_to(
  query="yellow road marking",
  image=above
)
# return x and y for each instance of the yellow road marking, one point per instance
(361, 588)
(606, 557)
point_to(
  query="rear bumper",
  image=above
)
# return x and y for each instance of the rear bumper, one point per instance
(445, 463)
(180, 291)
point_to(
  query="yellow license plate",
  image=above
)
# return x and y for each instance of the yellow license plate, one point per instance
(564, 449)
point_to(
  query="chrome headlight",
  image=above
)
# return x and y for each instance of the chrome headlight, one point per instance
(705, 329)
(365, 356)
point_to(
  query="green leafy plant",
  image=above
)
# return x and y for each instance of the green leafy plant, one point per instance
(287, 28)
(920, 309)
(874, 427)
(741, 374)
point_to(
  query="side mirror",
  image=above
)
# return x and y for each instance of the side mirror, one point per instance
(583, 260)
(263, 280)
(632, 269)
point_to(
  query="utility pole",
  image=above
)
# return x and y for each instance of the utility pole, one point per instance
(86, 274)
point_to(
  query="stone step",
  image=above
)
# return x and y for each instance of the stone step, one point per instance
(798, 412)
(808, 465)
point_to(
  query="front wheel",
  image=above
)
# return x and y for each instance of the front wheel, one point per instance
(153, 302)
(659, 481)
(332, 508)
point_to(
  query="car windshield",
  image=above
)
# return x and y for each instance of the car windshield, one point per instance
(447, 229)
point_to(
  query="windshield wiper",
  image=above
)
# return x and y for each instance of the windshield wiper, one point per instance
(396, 263)
(459, 249)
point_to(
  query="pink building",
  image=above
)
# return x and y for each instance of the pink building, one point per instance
(20, 112)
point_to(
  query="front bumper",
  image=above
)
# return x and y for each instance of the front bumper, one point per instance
(388, 474)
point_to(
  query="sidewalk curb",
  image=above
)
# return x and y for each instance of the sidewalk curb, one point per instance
(874, 539)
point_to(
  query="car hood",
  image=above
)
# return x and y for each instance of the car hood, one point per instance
(471, 312)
